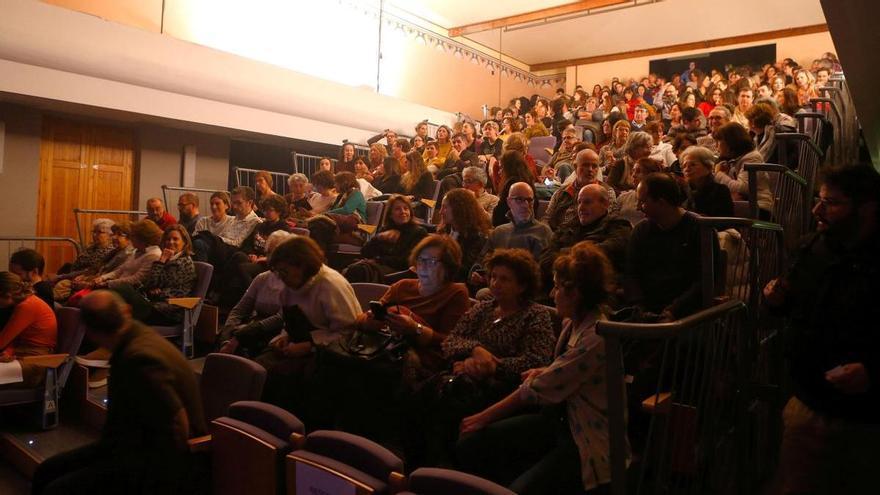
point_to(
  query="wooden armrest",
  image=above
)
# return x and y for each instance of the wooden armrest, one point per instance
(297, 440)
(370, 229)
(185, 302)
(397, 482)
(46, 360)
(199, 444)
(430, 203)
(658, 403)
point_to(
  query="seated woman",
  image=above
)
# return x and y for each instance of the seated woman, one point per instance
(300, 193)
(172, 275)
(764, 125)
(339, 223)
(638, 146)
(346, 160)
(389, 250)
(123, 251)
(626, 205)
(377, 156)
(145, 237)
(324, 306)
(735, 149)
(418, 182)
(29, 264)
(93, 256)
(260, 301)
(534, 126)
(492, 344)
(390, 181)
(615, 149)
(29, 330)
(559, 450)
(706, 197)
(519, 143)
(219, 219)
(462, 218)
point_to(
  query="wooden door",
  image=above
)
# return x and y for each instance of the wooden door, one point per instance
(81, 166)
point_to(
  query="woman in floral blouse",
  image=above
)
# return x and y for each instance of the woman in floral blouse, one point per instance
(559, 449)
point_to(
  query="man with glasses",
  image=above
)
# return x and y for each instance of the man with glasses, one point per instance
(157, 213)
(640, 118)
(523, 231)
(188, 208)
(560, 163)
(718, 118)
(832, 423)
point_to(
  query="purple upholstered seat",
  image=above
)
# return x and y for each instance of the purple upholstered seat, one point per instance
(227, 378)
(436, 481)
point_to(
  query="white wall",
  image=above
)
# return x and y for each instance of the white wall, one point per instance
(801, 48)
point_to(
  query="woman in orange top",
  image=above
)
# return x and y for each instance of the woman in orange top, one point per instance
(31, 329)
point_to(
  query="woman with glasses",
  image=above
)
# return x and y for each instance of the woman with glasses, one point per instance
(554, 449)
(93, 256)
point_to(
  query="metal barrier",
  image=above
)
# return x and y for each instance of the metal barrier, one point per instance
(800, 153)
(693, 403)
(174, 193)
(11, 244)
(792, 198)
(752, 254)
(115, 215)
(308, 164)
(813, 125)
(248, 177)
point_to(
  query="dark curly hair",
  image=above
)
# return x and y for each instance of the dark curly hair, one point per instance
(467, 215)
(523, 266)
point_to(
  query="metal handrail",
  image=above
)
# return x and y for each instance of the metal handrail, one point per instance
(76, 245)
(77, 211)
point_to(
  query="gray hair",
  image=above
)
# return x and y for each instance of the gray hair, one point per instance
(770, 101)
(637, 139)
(701, 154)
(105, 224)
(491, 123)
(479, 173)
(723, 108)
(297, 177)
(277, 237)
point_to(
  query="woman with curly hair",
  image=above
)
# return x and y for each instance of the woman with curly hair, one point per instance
(574, 458)
(462, 218)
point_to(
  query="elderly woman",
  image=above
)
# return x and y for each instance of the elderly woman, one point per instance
(93, 256)
(639, 145)
(123, 251)
(389, 250)
(318, 306)
(707, 197)
(462, 218)
(260, 301)
(172, 275)
(567, 448)
(614, 150)
(300, 193)
(736, 149)
(492, 344)
(29, 330)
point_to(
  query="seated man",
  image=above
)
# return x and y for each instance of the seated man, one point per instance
(153, 408)
(718, 118)
(592, 223)
(561, 164)
(692, 120)
(157, 213)
(188, 207)
(474, 179)
(217, 248)
(663, 263)
(458, 158)
(560, 210)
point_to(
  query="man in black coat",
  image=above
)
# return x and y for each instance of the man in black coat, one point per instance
(153, 408)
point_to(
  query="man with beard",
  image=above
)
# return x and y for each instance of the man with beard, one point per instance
(831, 423)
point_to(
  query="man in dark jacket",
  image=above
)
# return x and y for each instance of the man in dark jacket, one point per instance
(153, 408)
(832, 424)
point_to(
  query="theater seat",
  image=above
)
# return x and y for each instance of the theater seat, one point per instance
(58, 367)
(248, 448)
(436, 481)
(192, 308)
(227, 378)
(538, 148)
(339, 462)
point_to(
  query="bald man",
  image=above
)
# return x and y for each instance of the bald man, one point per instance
(153, 408)
(523, 231)
(561, 208)
(592, 222)
(157, 213)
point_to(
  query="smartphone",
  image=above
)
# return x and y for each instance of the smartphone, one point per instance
(380, 312)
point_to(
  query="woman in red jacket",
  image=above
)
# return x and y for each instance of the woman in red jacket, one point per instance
(30, 328)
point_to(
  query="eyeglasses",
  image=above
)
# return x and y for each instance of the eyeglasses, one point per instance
(427, 262)
(520, 199)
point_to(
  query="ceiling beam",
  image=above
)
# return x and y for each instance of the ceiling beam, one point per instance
(537, 15)
(681, 47)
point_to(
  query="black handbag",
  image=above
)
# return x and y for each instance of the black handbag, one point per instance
(377, 351)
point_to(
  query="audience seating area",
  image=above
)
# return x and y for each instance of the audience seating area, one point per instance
(706, 419)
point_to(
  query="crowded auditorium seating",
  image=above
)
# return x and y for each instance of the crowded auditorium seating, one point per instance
(705, 386)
